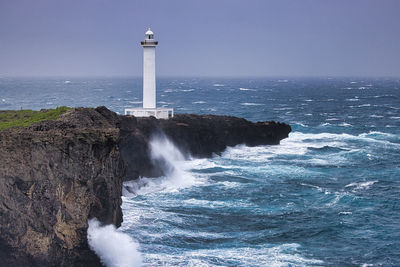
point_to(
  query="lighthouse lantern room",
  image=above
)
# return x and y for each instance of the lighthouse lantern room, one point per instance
(149, 83)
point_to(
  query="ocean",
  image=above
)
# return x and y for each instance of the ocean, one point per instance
(329, 195)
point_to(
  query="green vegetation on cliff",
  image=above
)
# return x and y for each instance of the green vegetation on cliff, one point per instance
(24, 118)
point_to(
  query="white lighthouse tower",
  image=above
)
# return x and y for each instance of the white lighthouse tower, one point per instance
(149, 83)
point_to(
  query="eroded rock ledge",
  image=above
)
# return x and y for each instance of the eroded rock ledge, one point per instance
(55, 175)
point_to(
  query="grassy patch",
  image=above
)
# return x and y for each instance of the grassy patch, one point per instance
(24, 118)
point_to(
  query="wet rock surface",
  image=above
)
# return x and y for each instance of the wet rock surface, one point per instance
(55, 175)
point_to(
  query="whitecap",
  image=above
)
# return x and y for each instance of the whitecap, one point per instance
(246, 89)
(199, 102)
(218, 84)
(66, 82)
(230, 184)
(320, 189)
(344, 124)
(325, 124)
(364, 105)
(285, 108)
(375, 116)
(372, 134)
(251, 104)
(361, 185)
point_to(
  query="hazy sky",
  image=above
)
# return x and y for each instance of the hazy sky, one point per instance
(201, 38)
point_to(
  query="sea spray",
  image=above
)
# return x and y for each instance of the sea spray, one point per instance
(115, 249)
(164, 154)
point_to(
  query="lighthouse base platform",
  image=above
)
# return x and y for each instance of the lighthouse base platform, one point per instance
(158, 113)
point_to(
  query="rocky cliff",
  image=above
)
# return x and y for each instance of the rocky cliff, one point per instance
(55, 175)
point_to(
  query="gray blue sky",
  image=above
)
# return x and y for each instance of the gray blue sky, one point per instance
(201, 38)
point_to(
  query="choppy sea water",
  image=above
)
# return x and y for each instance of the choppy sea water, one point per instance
(327, 195)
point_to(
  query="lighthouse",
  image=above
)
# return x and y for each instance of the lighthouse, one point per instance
(149, 70)
(149, 83)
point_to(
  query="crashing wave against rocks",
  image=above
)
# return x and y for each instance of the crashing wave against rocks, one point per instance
(57, 175)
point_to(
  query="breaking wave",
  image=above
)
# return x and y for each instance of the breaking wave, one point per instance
(114, 248)
(174, 165)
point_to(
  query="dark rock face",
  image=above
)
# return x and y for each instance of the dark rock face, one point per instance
(56, 175)
(53, 177)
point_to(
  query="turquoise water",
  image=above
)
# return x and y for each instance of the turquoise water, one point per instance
(328, 195)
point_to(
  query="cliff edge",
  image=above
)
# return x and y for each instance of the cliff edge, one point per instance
(55, 175)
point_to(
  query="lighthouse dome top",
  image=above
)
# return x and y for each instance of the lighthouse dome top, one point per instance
(149, 32)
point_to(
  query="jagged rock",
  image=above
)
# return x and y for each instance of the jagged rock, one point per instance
(55, 175)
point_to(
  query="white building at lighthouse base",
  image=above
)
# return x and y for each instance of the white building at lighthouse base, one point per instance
(159, 113)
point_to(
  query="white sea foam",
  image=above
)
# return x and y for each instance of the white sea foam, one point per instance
(281, 255)
(246, 89)
(301, 124)
(210, 204)
(320, 189)
(218, 84)
(115, 249)
(174, 165)
(284, 108)
(325, 124)
(375, 116)
(199, 102)
(361, 185)
(251, 104)
(299, 144)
